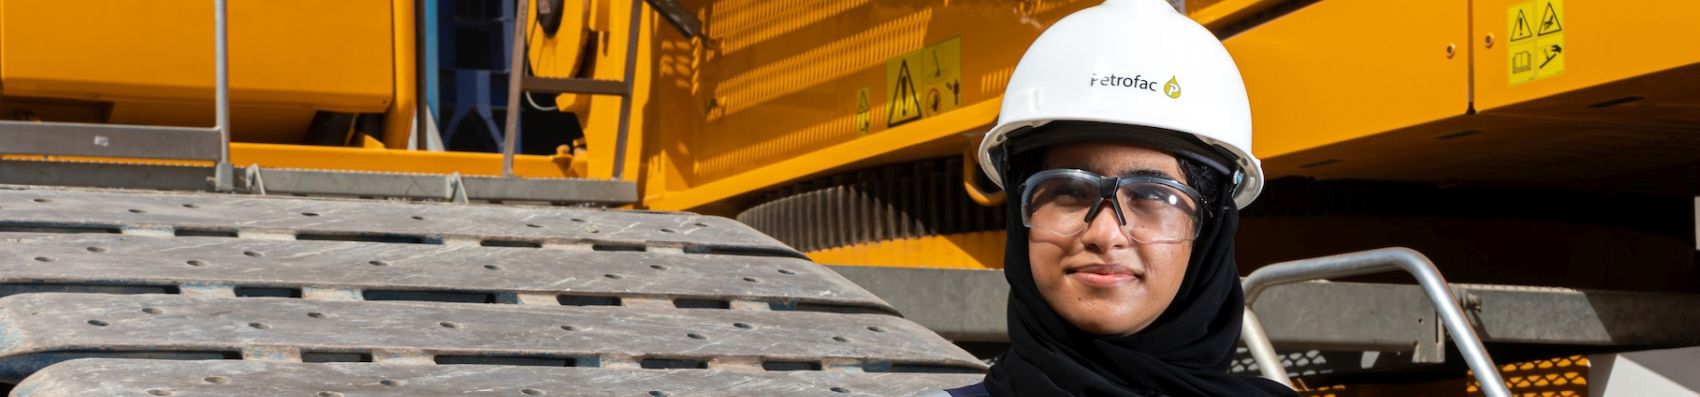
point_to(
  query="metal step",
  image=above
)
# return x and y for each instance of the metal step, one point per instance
(160, 288)
(165, 214)
(341, 270)
(45, 328)
(108, 377)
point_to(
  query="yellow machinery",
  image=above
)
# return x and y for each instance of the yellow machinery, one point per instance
(772, 95)
(839, 126)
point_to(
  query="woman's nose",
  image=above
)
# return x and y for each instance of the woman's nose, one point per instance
(1104, 232)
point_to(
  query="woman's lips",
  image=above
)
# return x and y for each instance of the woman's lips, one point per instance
(1102, 276)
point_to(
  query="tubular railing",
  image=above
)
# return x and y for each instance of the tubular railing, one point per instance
(1361, 263)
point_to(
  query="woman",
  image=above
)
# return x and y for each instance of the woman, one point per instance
(1124, 198)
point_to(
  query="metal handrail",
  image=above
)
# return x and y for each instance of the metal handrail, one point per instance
(224, 176)
(121, 140)
(1361, 263)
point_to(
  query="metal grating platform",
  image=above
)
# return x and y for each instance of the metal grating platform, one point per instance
(162, 291)
(43, 328)
(341, 270)
(194, 214)
(106, 377)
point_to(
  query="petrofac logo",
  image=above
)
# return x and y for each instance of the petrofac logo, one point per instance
(1172, 89)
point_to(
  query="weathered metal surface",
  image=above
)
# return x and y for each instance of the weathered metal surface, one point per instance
(109, 140)
(346, 270)
(319, 182)
(597, 191)
(1342, 316)
(1666, 372)
(345, 183)
(106, 377)
(1521, 314)
(193, 213)
(961, 305)
(110, 175)
(42, 327)
(1352, 317)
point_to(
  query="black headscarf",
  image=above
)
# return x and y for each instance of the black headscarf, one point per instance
(1186, 351)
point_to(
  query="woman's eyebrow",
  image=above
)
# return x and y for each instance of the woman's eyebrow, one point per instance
(1146, 172)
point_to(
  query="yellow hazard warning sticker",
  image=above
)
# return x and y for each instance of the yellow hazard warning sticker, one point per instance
(864, 112)
(1535, 38)
(924, 83)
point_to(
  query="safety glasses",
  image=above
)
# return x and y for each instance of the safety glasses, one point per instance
(1149, 209)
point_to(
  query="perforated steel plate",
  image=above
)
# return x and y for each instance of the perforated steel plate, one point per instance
(369, 220)
(340, 270)
(108, 377)
(43, 328)
(440, 299)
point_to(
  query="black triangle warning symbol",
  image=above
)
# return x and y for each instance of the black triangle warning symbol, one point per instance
(905, 100)
(1521, 30)
(1550, 21)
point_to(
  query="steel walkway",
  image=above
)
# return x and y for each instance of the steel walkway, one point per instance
(157, 293)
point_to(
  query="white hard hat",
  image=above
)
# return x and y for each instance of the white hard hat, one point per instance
(1125, 62)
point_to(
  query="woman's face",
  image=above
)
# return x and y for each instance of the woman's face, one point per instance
(1101, 280)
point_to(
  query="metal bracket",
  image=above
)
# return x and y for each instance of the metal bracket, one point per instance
(457, 189)
(256, 184)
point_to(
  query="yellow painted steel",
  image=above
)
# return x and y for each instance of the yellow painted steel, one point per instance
(1605, 42)
(153, 60)
(393, 160)
(1339, 90)
(772, 97)
(1345, 69)
(1554, 377)
(601, 124)
(398, 122)
(557, 55)
(975, 250)
(1217, 14)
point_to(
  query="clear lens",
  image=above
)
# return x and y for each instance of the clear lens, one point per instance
(1059, 204)
(1157, 213)
(1153, 212)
